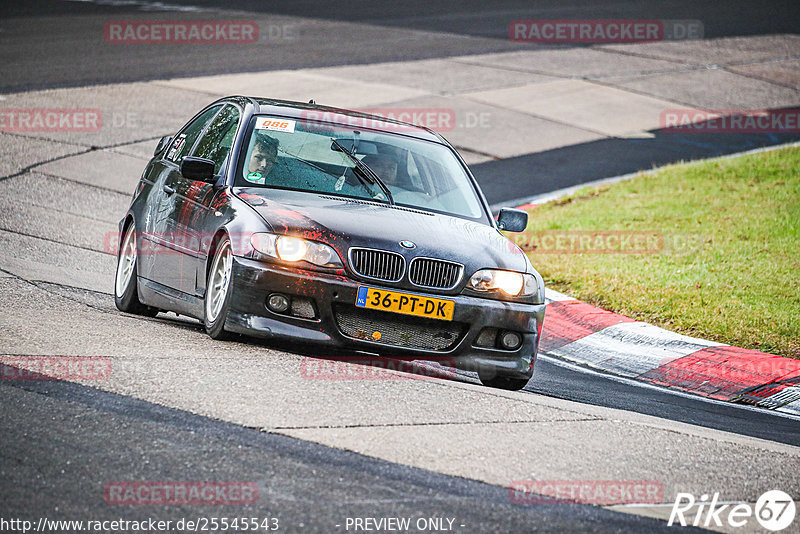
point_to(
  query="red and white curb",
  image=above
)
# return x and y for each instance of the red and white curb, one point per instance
(584, 334)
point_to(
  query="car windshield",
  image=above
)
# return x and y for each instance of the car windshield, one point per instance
(309, 155)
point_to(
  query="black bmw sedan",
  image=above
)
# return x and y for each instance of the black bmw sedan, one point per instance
(297, 221)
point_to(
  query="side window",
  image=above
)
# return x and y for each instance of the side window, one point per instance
(216, 142)
(184, 141)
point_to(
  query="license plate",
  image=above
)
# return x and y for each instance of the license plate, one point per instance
(392, 301)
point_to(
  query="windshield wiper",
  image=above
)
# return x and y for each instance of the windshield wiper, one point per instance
(368, 174)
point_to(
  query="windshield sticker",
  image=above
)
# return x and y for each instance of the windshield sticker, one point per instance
(255, 178)
(276, 125)
(176, 146)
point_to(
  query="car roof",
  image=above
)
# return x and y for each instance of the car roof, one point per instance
(289, 108)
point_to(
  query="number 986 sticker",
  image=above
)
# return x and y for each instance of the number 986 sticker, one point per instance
(276, 125)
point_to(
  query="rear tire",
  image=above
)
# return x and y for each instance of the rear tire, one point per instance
(218, 291)
(126, 291)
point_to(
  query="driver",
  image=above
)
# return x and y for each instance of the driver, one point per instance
(262, 160)
(385, 167)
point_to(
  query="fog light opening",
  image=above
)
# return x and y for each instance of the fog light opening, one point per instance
(278, 303)
(510, 340)
(303, 308)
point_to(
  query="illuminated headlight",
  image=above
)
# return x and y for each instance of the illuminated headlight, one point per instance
(294, 249)
(511, 283)
(291, 248)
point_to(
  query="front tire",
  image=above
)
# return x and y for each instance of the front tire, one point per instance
(218, 291)
(490, 378)
(126, 292)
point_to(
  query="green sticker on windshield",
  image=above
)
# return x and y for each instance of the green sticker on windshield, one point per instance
(255, 177)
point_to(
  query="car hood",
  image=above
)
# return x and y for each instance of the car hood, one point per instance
(344, 223)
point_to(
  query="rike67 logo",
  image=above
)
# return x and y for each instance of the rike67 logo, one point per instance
(774, 511)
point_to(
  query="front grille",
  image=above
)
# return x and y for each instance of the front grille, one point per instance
(398, 330)
(377, 264)
(427, 272)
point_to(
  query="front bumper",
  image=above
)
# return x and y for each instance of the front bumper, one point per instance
(248, 314)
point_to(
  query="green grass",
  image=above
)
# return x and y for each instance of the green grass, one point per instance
(729, 269)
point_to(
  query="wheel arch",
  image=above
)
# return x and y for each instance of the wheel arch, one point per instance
(221, 232)
(124, 225)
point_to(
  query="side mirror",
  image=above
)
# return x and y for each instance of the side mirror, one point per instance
(162, 144)
(512, 220)
(201, 169)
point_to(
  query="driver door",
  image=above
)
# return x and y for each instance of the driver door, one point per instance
(169, 260)
(195, 219)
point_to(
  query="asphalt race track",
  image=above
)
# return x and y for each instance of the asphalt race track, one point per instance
(47, 52)
(99, 437)
(180, 406)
